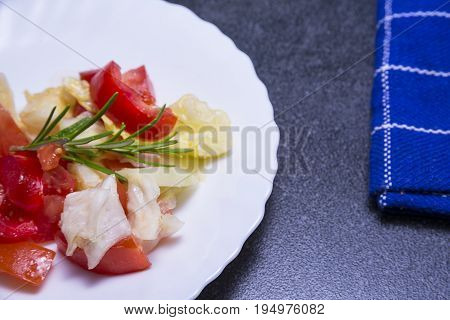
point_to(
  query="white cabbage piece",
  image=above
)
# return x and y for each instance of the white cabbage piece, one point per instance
(6, 96)
(144, 213)
(169, 225)
(196, 113)
(96, 128)
(40, 105)
(167, 200)
(147, 221)
(204, 129)
(94, 221)
(166, 176)
(86, 177)
(79, 89)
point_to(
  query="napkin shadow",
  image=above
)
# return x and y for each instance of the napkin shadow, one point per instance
(410, 218)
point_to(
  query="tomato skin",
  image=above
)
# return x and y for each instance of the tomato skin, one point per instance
(49, 156)
(124, 257)
(21, 177)
(129, 107)
(26, 261)
(10, 134)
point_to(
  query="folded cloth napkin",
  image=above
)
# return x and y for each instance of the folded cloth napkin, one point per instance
(410, 152)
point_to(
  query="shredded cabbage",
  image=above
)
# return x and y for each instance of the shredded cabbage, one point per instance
(201, 128)
(147, 221)
(94, 220)
(40, 105)
(165, 176)
(79, 89)
(86, 177)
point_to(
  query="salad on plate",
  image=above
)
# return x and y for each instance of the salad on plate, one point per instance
(95, 165)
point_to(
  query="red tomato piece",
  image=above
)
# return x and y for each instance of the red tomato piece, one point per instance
(16, 225)
(78, 109)
(123, 196)
(116, 164)
(10, 134)
(53, 207)
(26, 261)
(49, 156)
(129, 107)
(47, 222)
(20, 227)
(138, 80)
(87, 75)
(58, 181)
(17, 229)
(31, 201)
(21, 177)
(124, 257)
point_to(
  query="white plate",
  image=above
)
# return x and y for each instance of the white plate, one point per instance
(42, 41)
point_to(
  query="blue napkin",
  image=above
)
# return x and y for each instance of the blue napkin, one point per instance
(410, 152)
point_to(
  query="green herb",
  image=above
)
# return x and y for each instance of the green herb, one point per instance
(76, 158)
(85, 151)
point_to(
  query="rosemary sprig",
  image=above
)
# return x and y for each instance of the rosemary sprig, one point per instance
(89, 139)
(76, 158)
(89, 149)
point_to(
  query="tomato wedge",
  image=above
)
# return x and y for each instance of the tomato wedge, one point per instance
(132, 104)
(88, 75)
(26, 261)
(138, 80)
(58, 181)
(17, 228)
(53, 207)
(17, 225)
(123, 195)
(31, 201)
(78, 109)
(115, 164)
(49, 156)
(21, 177)
(124, 257)
(10, 134)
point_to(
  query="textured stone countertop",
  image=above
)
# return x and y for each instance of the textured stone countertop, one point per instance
(319, 239)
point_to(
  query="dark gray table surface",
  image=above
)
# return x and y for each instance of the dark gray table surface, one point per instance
(319, 239)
